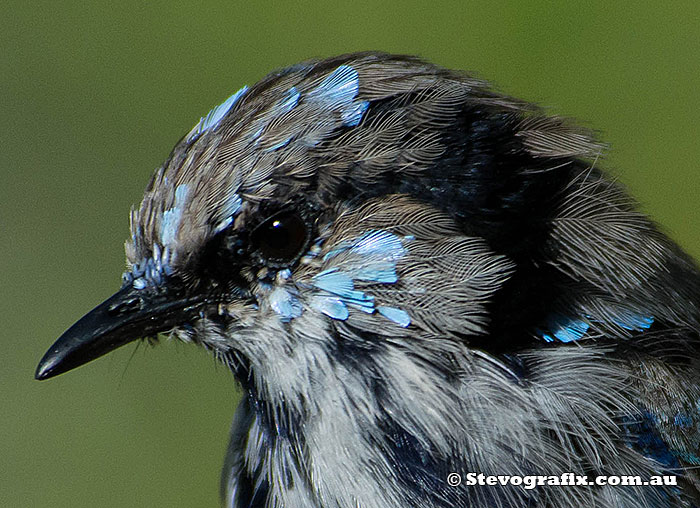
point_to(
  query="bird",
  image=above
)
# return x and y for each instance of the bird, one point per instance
(418, 281)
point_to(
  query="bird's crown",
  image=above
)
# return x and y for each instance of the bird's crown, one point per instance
(339, 186)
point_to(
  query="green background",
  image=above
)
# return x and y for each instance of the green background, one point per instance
(93, 97)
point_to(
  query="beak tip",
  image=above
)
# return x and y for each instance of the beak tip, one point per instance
(46, 368)
(41, 374)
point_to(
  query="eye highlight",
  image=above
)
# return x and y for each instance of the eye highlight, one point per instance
(281, 239)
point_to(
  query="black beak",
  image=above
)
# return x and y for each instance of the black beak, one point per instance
(128, 315)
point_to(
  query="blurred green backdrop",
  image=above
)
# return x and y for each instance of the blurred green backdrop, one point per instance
(93, 97)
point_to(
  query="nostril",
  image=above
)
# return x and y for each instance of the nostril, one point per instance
(125, 306)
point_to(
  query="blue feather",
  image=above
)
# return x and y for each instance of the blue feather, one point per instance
(398, 316)
(285, 303)
(338, 91)
(331, 306)
(339, 88)
(352, 116)
(212, 119)
(643, 436)
(334, 281)
(278, 145)
(380, 243)
(372, 257)
(289, 102)
(170, 223)
(565, 329)
(377, 272)
(635, 322)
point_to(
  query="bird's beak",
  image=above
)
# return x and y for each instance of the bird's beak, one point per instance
(124, 317)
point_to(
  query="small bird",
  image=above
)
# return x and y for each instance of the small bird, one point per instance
(416, 280)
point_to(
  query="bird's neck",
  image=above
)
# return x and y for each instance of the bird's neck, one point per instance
(336, 425)
(384, 427)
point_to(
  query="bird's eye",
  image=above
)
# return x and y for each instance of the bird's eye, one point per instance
(281, 239)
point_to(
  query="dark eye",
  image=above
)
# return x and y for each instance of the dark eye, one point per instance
(281, 239)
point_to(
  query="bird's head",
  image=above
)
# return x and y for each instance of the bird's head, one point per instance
(388, 253)
(336, 207)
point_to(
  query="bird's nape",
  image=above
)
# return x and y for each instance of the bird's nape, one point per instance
(417, 280)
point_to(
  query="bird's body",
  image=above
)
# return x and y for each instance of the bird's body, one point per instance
(412, 275)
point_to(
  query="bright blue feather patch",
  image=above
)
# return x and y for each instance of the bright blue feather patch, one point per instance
(334, 281)
(230, 208)
(380, 272)
(140, 283)
(338, 91)
(352, 115)
(375, 256)
(285, 303)
(212, 119)
(379, 243)
(289, 102)
(339, 88)
(635, 322)
(150, 271)
(170, 223)
(371, 257)
(398, 316)
(565, 329)
(331, 306)
(341, 285)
